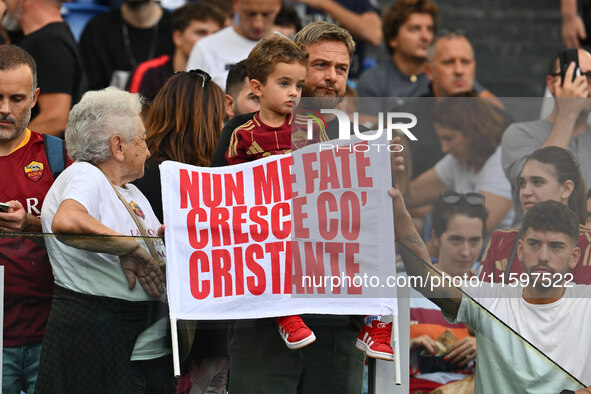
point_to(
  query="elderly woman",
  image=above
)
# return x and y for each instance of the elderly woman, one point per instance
(98, 311)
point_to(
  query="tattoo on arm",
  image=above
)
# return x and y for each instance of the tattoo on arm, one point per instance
(414, 239)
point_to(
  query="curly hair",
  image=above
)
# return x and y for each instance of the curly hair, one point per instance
(397, 14)
(552, 216)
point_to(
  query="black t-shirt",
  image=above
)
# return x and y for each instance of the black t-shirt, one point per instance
(59, 67)
(103, 47)
(153, 78)
(219, 156)
(150, 186)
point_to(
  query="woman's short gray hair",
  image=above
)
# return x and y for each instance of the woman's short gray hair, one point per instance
(96, 118)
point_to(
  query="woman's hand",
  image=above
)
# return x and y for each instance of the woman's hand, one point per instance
(139, 263)
(424, 341)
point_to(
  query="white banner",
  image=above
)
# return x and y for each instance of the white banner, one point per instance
(309, 232)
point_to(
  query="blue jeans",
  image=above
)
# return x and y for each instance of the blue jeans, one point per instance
(19, 368)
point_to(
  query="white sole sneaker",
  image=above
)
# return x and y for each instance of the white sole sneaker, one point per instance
(360, 345)
(299, 344)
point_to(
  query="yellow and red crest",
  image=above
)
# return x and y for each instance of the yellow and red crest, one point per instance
(138, 211)
(34, 170)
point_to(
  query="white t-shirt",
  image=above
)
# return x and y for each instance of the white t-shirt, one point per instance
(88, 272)
(216, 53)
(462, 178)
(100, 273)
(559, 330)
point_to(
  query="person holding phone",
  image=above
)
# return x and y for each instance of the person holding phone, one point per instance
(565, 127)
(26, 178)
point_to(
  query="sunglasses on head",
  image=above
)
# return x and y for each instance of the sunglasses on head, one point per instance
(455, 197)
(199, 73)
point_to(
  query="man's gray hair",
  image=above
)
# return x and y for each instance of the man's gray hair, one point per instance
(316, 32)
(97, 118)
(432, 50)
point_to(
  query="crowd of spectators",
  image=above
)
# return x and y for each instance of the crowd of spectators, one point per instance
(494, 199)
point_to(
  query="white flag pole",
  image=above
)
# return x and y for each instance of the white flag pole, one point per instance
(176, 362)
(396, 335)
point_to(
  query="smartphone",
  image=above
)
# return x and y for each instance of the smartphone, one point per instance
(4, 207)
(565, 58)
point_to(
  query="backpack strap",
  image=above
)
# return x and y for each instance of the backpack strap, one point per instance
(55, 150)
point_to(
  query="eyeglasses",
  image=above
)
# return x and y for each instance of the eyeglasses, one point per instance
(475, 199)
(199, 73)
(587, 75)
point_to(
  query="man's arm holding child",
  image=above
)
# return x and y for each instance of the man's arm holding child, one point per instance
(219, 156)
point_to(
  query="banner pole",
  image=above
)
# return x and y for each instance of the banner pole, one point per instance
(176, 363)
(396, 335)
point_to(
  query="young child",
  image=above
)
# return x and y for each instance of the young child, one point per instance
(277, 69)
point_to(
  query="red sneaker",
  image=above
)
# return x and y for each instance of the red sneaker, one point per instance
(294, 332)
(375, 340)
